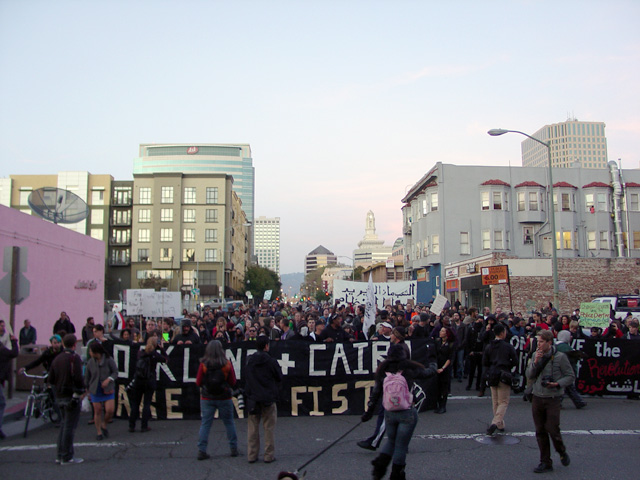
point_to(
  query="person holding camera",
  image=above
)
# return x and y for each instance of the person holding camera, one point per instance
(65, 375)
(551, 373)
(262, 385)
(499, 359)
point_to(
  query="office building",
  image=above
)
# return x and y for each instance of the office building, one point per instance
(319, 257)
(571, 142)
(267, 242)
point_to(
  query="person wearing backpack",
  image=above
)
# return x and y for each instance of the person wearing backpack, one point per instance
(393, 383)
(144, 384)
(216, 378)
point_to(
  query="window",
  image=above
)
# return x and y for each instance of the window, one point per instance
(211, 235)
(212, 195)
(533, 201)
(121, 217)
(207, 277)
(24, 196)
(188, 254)
(144, 235)
(465, 248)
(604, 240)
(424, 207)
(97, 233)
(97, 217)
(120, 236)
(633, 202)
(566, 202)
(97, 197)
(188, 277)
(527, 235)
(486, 240)
(189, 235)
(122, 195)
(564, 240)
(145, 195)
(434, 201)
(189, 215)
(435, 243)
(166, 255)
(521, 205)
(602, 202)
(167, 195)
(589, 203)
(144, 215)
(497, 240)
(591, 240)
(211, 215)
(189, 195)
(210, 255)
(143, 254)
(497, 201)
(484, 198)
(636, 240)
(166, 234)
(166, 215)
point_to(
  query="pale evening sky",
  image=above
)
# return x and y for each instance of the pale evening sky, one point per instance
(345, 103)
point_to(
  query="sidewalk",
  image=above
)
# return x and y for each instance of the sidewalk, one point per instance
(12, 422)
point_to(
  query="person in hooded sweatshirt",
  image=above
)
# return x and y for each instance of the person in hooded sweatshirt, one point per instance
(263, 377)
(187, 335)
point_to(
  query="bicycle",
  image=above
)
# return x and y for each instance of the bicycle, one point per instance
(40, 403)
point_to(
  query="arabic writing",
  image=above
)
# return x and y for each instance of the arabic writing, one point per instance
(356, 292)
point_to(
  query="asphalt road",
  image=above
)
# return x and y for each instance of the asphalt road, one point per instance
(603, 441)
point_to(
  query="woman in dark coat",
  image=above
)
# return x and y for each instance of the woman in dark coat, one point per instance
(444, 351)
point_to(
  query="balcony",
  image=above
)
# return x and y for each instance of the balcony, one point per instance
(120, 222)
(119, 242)
(119, 262)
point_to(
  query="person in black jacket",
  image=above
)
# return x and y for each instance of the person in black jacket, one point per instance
(6, 356)
(144, 384)
(263, 377)
(499, 359)
(400, 424)
(63, 324)
(47, 357)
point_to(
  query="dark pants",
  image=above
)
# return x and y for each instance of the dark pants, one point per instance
(546, 417)
(475, 366)
(573, 394)
(444, 385)
(70, 417)
(375, 439)
(137, 395)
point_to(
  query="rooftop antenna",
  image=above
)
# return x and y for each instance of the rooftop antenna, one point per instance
(58, 205)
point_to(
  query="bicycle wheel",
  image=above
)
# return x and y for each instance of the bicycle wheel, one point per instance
(50, 411)
(28, 411)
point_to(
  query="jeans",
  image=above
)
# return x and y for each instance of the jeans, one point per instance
(400, 426)
(459, 372)
(140, 394)
(3, 404)
(208, 410)
(70, 416)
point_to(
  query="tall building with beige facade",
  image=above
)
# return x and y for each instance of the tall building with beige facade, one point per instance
(571, 142)
(267, 242)
(191, 230)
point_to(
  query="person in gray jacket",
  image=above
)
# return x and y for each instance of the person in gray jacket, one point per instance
(551, 372)
(100, 377)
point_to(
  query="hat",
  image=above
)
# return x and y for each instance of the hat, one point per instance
(239, 327)
(564, 336)
(396, 352)
(278, 315)
(386, 324)
(185, 323)
(399, 332)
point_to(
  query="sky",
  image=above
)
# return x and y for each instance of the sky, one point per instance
(346, 104)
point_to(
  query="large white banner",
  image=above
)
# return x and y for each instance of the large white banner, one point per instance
(150, 303)
(356, 292)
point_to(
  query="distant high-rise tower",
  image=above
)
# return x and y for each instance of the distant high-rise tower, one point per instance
(571, 141)
(267, 242)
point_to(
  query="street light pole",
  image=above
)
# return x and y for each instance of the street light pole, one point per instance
(554, 248)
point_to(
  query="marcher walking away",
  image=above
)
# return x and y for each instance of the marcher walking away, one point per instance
(216, 378)
(394, 380)
(263, 377)
(552, 373)
(144, 384)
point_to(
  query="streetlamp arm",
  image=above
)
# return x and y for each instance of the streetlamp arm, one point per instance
(495, 132)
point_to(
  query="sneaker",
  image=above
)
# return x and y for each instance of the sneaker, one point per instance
(203, 455)
(564, 458)
(253, 461)
(105, 433)
(57, 461)
(99, 437)
(492, 429)
(72, 461)
(581, 405)
(145, 429)
(366, 445)
(269, 460)
(234, 452)
(542, 468)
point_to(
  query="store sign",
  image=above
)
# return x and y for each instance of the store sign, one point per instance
(451, 272)
(495, 275)
(471, 267)
(192, 150)
(453, 285)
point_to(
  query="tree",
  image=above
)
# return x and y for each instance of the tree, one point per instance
(258, 280)
(357, 273)
(322, 296)
(312, 281)
(154, 282)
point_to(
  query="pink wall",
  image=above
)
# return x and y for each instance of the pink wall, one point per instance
(57, 260)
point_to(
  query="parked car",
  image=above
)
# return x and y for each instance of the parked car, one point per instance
(622, 304)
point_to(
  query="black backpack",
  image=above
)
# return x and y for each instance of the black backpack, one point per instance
(144, 373)
(215, 383)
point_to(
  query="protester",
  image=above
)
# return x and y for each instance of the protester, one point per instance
(47, 357)
(475, 349)
(66, 376)
(263, 377)
(188, 336)
(87, 331)
(564, 338)
(445, 353)
(400, 424)
(216, 378)
(551, 372)
(28, 334)
(99, 378)
(6, 357)
(632, 334)
(144, 384)
(63, 324)
(499, 359)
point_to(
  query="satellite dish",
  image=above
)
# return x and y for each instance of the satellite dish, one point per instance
(58, 205)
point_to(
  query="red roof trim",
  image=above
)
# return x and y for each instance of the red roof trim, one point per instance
(496, 182)
(596, 184)
(529, 184)
(632, 184)
(564, 184)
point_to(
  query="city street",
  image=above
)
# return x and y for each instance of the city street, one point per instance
(602, 440)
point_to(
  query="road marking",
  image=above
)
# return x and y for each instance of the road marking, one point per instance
(22, 448)
(462, 436)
